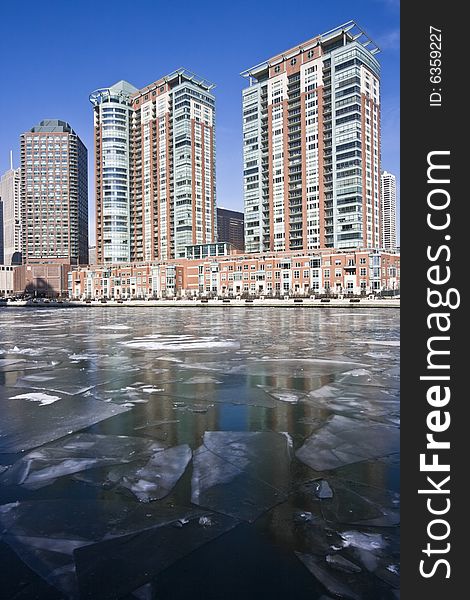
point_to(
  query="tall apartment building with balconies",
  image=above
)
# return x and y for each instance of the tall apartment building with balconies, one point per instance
(54, 193)
(154, 168)
(389, 208)
(311, 146)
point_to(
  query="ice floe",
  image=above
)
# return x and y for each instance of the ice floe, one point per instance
(42, 399)
(35, 425)
(76, 453)
(159, 475)
(184, 343)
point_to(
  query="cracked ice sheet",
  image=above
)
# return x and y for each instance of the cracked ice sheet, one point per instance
(35, 425)
(74, 454)
(360, 504)
(392, 343)
(329, 580)
(141, 557)
(64, 381)
(45, 534)
(241, 474)
(158, 476)
(343, 441)
(290, 396)
(21, 364)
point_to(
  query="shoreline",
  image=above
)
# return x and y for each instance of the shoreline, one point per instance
(255, 303)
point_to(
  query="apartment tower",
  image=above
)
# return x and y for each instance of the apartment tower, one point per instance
(389, 208)
(154, 168)
(54, 192)
(311, 145)
(10, 195)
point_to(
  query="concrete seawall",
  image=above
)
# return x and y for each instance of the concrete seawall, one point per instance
(256, 303)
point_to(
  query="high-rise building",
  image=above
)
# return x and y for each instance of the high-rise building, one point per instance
(54, 192)
(2, 258)
(230, 227)
(311, 142)
(389, 210)
(155, 168)
(10, 195)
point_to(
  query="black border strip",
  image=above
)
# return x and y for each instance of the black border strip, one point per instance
(433, 124)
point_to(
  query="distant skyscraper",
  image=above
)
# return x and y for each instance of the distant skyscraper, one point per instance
(389, 211)
(230, 227)
(54, 192)
(92, 255)
(10, 195)
(155, 168)
(311, 136)
(1, 233)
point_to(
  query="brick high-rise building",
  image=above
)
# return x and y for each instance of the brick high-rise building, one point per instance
(389, 207)
(10, 195)
(54, 193)
(155, 168)
(311, 136)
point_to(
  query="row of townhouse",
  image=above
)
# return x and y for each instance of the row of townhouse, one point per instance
(279, 274)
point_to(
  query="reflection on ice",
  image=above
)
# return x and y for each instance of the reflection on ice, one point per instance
(241, 474)
(342, 441)
(154, 409)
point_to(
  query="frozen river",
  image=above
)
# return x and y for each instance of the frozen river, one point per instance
(176, 453)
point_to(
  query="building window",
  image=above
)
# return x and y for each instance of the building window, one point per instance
(277, 69)
(293, 61)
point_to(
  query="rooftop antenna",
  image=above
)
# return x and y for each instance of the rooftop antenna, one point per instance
(11, 160)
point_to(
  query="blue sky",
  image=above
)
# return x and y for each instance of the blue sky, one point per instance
(55, 52)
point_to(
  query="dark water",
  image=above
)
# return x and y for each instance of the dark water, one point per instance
(199, 453)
